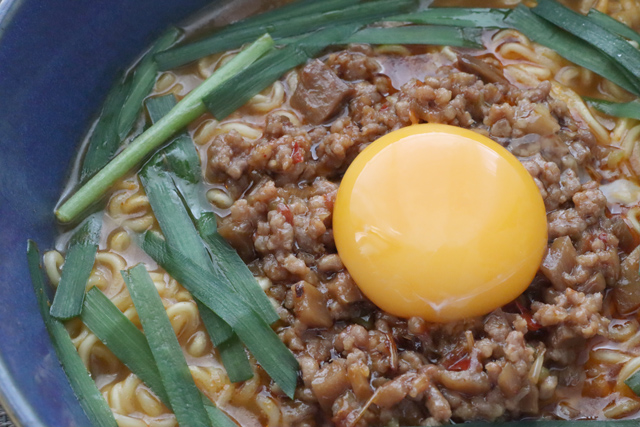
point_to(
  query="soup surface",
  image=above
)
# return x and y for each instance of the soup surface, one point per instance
(272, 170)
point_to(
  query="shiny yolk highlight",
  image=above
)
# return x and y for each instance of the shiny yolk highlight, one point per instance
(439, 222)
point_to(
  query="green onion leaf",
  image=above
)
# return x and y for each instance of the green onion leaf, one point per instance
(131, 347)
(183, 394)
(313, 43)
(280, 15)
(174, 220)
(420, 34)
(239, 275)
(159, 106)
(88, 395)
(187, 110)
(616, 109)
(181, 158)
(180, 232)
(456, 17)
(613, 25)
(122, 108)
(216, 416)
(274, 357)
(231, 351)
(144, 77)
(124, 340)
(104, 141)
(178, 229)
(226, 99)
(78, 264)
(634, 382)
(568, 46)
(283, 13)
(617, 48)
(361, 14)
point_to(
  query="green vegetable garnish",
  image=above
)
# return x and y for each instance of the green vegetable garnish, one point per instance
(177, 225)
(239, 275)
(187, 110)
(231, 350)
(274, 357)
(616, 109)
(420, 34)
(104, 141)
(180, 153)
(124, 340)
(634, 382)
(182, 392)
(178, 228)
(457, 17)
(614, 46)
(226, 99)
(78, 264)
(131, 347)
(122, 108)
(613, 25)
(360, 14)
(144, 77)
(284, 13)
(568, 46)
(181, 158)
(84, 387)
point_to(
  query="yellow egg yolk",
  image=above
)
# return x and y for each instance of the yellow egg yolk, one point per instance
(439, 222)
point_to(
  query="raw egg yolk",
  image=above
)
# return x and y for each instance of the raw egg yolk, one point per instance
(439, 222)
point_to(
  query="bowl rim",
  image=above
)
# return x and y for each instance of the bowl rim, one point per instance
(13, 402)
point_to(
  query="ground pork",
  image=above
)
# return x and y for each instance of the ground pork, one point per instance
(361, 366)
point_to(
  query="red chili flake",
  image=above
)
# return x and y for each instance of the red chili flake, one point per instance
(384, 107)
(298, 155)
(532, 325)
(284, 210)
(457, 360)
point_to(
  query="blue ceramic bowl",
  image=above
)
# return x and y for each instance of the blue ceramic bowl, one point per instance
(57, 61)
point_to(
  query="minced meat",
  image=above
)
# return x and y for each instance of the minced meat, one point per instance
(359, 365)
